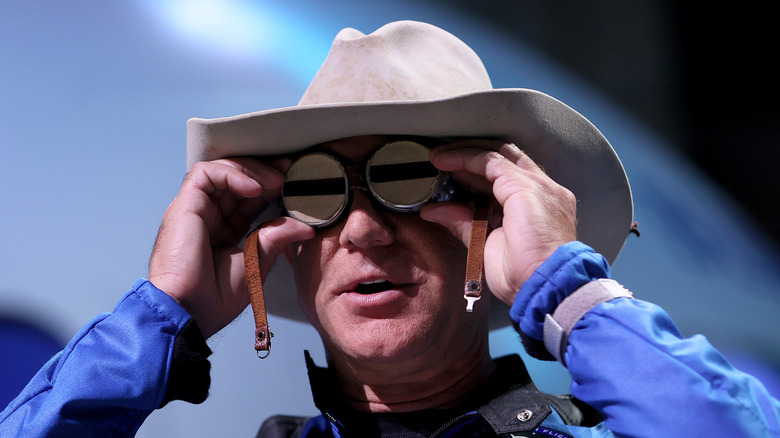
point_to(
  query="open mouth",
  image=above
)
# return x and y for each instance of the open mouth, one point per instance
(373, 287)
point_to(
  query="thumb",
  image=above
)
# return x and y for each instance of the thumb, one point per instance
(276, 236)
(454, 216)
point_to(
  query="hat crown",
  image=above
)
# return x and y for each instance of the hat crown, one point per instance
(404, 60)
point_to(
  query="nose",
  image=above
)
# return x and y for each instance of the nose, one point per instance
(365, 227)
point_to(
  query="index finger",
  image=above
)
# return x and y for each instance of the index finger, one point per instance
(509, 151)
(490, 171)
(233, 191)
(269, 174)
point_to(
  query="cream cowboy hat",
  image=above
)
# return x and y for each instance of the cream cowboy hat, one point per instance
(416, 79)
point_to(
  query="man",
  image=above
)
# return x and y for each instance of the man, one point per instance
(381, 275)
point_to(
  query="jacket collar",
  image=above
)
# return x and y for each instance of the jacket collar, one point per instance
(509, 402)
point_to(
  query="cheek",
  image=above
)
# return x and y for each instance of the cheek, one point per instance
(307, 272)
(440, 259)
(441, 252)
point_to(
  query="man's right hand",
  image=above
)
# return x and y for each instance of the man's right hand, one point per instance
(197, 259)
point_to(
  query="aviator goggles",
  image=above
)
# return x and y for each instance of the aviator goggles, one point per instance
(318, 186)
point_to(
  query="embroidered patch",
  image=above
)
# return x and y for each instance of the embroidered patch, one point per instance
(543, 432)
(546, 431)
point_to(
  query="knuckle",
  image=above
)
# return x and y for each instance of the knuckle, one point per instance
(200, 166)
(198, 169)
(510, 149)
(568, 196)
(493, 155)
(493, 161)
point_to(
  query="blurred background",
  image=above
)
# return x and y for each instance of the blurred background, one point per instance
(94, 97)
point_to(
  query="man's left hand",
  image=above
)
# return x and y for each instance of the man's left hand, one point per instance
(531, 217)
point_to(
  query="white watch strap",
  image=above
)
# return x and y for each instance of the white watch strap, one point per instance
(559, 325)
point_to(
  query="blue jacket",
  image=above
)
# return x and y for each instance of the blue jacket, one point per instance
(626, 358)
(507, 404)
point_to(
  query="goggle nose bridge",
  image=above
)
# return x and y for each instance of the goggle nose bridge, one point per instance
(356, 178)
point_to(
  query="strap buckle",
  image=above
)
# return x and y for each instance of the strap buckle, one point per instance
(263, 337)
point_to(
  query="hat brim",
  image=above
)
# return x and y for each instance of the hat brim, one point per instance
(564, 143)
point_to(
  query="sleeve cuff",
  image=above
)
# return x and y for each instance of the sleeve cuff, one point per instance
(558, 325)
(190, 373)
(189, 369)
(571, 266)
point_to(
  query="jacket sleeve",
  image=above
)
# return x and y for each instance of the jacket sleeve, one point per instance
(628, 360)
(115, 372)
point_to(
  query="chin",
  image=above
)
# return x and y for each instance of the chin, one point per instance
(388, 340)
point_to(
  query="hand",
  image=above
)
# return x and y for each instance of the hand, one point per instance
(531, 216)
(196, 258)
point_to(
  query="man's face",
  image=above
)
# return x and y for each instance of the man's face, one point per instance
(379, 285)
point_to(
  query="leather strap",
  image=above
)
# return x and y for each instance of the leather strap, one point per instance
(254, 281)
(472, 288)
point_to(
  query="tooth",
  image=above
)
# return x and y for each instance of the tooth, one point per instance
(374, 282)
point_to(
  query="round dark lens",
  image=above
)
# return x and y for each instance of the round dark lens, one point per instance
(315, 189)
(401, 177)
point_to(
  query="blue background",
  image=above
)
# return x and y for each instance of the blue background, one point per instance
(94, 97)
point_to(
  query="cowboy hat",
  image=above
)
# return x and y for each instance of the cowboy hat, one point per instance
(414, 78)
